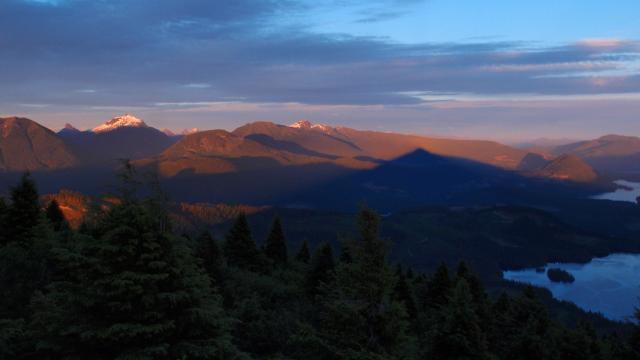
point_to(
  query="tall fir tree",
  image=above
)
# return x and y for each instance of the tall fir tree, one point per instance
(240, 248)
(458, 335)
(276, 245)
(208, 250)
(304, 255)
(438, 288)
(322, 265)
(24, 212)
(360, 319)
(404, 294)
(24, 255)
(56, 217)
(4, 209)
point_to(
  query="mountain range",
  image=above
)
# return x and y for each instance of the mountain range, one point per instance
(26, 145)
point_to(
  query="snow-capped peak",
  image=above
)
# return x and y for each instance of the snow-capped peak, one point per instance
(190, 131)
(70, 127)
(305, 124)
(125, 120)
(301, 124)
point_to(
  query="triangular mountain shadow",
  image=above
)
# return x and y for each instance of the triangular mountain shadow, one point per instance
(414, 179)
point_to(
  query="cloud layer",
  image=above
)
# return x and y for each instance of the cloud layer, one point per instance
(167, 53)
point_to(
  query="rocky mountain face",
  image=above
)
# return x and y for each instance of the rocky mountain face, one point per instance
(26, 145)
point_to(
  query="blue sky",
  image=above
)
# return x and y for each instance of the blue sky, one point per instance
(506, 70)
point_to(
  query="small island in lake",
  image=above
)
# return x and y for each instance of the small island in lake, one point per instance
(559, 275)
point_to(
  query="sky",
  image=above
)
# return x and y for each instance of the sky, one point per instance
(495, 69)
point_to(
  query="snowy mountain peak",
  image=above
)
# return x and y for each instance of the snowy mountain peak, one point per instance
(305, 124)
(125, 120)
(301, 124)
(190, 131)
(70, 127)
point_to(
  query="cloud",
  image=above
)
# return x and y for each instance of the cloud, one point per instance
(146, 52)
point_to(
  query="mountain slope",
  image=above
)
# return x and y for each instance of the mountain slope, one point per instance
(26, 145)
(350, 145)
(123, 137)
(609, 154)
(219, 151)
(569, 167)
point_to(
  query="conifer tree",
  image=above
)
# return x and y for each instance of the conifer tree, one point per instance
(208, 250)
(438, 288)
(459, 335)
(360, 319)
(4, 209)
(345, 253)
(403, 293)
(240, 248)
(276, 244)
(322, 265)
(304, 255)
(55, 216)
(24, 212)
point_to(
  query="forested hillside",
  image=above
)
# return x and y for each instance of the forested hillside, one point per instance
(126, 286)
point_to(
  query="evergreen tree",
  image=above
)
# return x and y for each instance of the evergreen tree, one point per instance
(403, 293)
(4, 209)
(322, 265)
(304, 255)
(360, 319)
(438, 288)
(276, 245)
(345, 253)
(24, 255)
(239, 247)
(56, 217)
(134, 292)
(209, 252)
(459, 335)
(24, 212)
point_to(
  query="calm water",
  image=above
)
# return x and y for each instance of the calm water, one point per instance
(609, 285)
(630, 194)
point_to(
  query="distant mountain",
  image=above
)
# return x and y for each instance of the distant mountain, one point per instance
(563, 167)
(569, 167)
(68, 130)
(351, 145)
(182, 133)
(26, 145)
(119, 138)
(532, 162)
(608, 154)
(124, 121)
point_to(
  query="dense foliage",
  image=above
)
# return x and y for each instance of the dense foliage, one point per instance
(125, 286)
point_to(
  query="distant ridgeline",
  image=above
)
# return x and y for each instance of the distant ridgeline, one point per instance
(125, 284)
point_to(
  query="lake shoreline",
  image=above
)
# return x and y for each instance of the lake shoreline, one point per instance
(605, 285)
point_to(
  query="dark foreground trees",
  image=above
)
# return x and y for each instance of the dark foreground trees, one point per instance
(126, 287)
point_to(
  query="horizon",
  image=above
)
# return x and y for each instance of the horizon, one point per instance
(498, 71)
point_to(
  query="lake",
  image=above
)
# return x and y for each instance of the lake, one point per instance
(628, 192)
(609, 285)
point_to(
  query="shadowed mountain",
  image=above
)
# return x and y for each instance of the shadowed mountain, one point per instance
(105, 148)
(569, 167)
(564, 167)
(608, 154)
(532, 162)
(26, 145)
(219, 151)
(352, 146)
